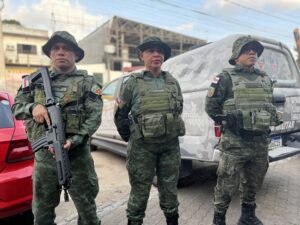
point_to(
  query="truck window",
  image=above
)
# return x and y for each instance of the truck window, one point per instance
(276, 65)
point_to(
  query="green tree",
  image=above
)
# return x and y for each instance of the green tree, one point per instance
(11, 22)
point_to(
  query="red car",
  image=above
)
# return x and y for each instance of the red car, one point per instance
(16, 162)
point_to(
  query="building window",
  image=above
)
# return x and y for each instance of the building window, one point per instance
(27, 49)
(10, 48)
(117, 66)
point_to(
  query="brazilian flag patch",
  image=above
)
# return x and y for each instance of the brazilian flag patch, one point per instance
(96, 90)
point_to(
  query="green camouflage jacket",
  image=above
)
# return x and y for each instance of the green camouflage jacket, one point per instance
(130, 98)
(79, 96)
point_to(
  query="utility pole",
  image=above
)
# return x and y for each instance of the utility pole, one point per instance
(2, 63)
(53, 20)
(297, 40)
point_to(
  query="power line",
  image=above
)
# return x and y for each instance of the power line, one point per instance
(163, 10)
(214, 17)
(204, 22)
(262, 12)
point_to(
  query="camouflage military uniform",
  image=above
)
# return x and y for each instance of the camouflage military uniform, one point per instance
(79, 98)
(247, 156)
(160, 155)
(244, 158)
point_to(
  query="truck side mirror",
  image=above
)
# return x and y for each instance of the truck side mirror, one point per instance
(278, 99)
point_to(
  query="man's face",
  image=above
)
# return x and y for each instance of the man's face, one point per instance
(63, 57)
(248, 57)
(152, 57)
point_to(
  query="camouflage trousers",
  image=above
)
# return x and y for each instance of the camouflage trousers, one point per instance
(243, 164)
(46, 191)
(143, 161)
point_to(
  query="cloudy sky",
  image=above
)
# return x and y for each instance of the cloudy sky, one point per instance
(206, 19)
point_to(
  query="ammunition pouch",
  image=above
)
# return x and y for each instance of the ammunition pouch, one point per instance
(179, 126)
(153, 125)
(73, 119)
(157, 127)
(255, 120)
(239, 124)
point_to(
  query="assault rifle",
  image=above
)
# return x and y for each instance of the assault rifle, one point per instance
(55, 133)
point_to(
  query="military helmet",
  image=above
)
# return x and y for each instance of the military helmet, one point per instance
(66, 37)
(155, 41)
(242, 42)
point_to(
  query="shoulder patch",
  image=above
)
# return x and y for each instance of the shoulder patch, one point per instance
(25, 81)
(96, 89)
(216, 80)
(211, 91)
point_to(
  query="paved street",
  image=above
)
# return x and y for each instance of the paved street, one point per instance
(278, 201)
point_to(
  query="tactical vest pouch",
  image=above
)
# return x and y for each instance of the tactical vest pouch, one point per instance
(73, 120)
(256, 120)
(135, 131)
(72, 123)
(180, 127)
(169, 123)
(153, 125)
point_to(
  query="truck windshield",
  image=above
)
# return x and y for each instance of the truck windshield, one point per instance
(276, 65)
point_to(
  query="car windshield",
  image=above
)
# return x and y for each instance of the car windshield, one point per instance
(6, 117)
(110, 89)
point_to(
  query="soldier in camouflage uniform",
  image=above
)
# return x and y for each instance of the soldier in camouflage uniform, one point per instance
(244, 95)
(154, 100)
(79, 96)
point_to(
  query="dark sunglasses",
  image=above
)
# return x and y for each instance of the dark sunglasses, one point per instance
(247, 48)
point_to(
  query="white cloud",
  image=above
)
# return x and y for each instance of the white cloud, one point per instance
(225, 6)
(54, 15)
(279, 4)
(185, 27)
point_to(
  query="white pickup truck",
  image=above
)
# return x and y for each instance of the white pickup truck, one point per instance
(195, 70)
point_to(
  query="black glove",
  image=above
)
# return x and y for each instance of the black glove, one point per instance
(234, 123)
(124, 129)
(231, 121)
(124, 135)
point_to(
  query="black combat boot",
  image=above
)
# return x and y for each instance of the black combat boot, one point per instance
(219, 219)
(172, 220)
(248, 215)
